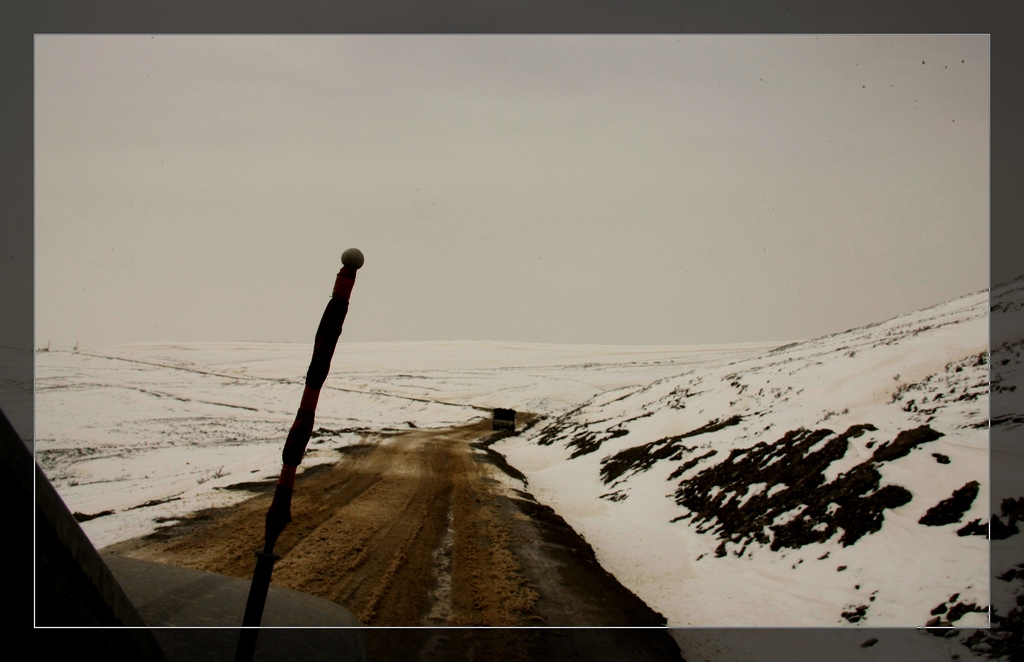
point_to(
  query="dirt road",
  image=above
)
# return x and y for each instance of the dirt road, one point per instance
(414, 530)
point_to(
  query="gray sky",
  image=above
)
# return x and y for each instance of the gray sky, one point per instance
(571, 189)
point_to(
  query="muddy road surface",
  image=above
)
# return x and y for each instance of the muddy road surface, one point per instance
(414, 530)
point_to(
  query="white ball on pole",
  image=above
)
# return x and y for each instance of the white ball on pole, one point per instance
(353, 257)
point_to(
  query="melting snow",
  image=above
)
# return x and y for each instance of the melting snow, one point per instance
(819, 458)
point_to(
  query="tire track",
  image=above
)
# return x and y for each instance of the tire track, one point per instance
(379, 539)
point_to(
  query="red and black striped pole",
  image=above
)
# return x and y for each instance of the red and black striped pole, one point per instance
(279, 515)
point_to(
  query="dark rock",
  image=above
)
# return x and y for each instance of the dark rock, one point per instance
(905, 442)
(83, 517)
(589, 442)
(640, 458)
(856, 614)
(949, 511)
(689, 464)
(1000, 531)
(615, 496)
(1013, 509)
(852, 502)
(973, 528)
(959, 610)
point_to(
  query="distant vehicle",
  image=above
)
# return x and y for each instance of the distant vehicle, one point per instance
(504, 419)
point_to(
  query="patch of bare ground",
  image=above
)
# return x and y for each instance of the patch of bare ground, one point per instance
(414, 531)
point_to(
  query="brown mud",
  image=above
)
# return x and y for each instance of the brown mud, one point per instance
(416, 530)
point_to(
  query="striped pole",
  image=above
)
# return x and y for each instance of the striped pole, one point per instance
(279, 514)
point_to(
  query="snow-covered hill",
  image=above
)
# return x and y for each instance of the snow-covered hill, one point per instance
(835, 481)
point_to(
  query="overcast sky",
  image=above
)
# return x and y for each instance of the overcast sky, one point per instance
(568, 189)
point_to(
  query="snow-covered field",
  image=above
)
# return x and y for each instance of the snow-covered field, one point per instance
(155, 431)
(841, 481)
(802, 475)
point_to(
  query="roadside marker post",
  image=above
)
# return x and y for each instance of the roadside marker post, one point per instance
(279, 514)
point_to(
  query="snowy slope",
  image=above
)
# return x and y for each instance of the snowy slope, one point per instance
(835, 481)
(724, 484)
